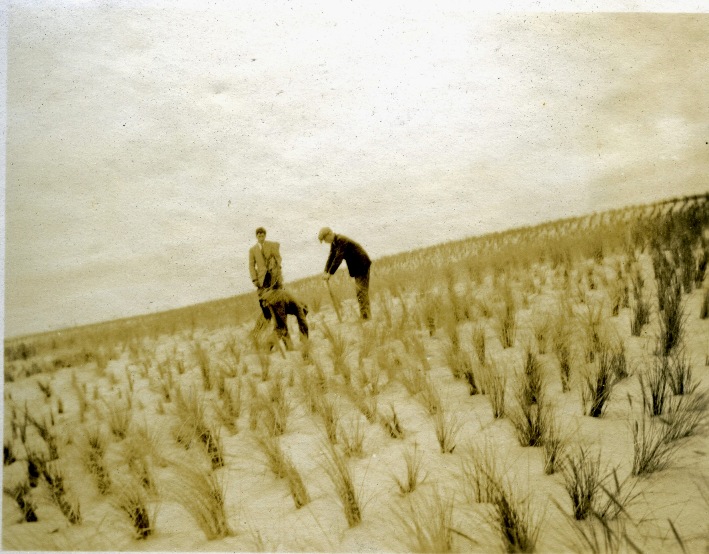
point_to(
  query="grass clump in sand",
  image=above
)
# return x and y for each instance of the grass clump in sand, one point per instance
(20, 493)
(427, 523)
(341, 477)
(506, 316)
(59, 494)
(493, 384)
(203, 494)
(512, 519)
(132, 501)
(283, 467)
(193, 425)
(93, 453)
(582, 480)
(447, 427)
(599, 380)
(531, 416)
(414, 477)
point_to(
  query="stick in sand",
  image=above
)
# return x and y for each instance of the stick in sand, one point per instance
(334, 301)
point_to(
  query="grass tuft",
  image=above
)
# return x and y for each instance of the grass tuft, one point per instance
(131, 500)
(447, 427)
(202, 493)
(554, 446)
(20, 493)
(598, 382)
(93, 454)
(412, 459)
(507, 320)
(582, 480)
(58, 493)
(427, 524)
(353, 440)
(672, 320)
(493, 384)
(392, 424)
(283, 468)
(341, 476)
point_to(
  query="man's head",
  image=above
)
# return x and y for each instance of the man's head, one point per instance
(261, 234)
(326, 235)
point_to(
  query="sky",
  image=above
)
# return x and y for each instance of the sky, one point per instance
(146, 141)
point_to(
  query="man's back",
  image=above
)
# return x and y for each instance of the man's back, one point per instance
(355, 256)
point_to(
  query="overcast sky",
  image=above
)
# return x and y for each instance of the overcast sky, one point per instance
(146, 143)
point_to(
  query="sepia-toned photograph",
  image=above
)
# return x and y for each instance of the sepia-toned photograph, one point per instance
(337, 276)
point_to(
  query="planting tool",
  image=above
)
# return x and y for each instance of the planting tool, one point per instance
(335, 304)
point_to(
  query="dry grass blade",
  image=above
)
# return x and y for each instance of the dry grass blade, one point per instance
(93, 453)
(427, 524)
(202, 493)
(392, 424)
(530, 420)
(119, 416)
(672, 320)
(554, 447)
(561, 345)
(582, 480)
(652, 451)
(679, 373)
(205, 365)
(447, 427)
(330, 417)
(20, 493)
(297, 488)
(599, 381)
(412, 459)
(493, 384)
(341, 476)
(58, 493)
(513, 519)
(478, 339)
(131, 500)
(271, 447)
(193, 425)
(685, 416)
(654, 388)
(479, 472)
(507, 321)
(353, 440)
(283, 468)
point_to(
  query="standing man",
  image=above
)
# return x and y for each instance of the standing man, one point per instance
(342, 248)
(265, 267)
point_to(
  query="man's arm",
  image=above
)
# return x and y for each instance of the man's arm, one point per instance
(275, 256)
(252, 268)
(334, 259)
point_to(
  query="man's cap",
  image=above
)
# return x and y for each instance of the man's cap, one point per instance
(260, 230)
(325, 231)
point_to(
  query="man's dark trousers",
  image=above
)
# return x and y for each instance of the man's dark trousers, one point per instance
(362, 291)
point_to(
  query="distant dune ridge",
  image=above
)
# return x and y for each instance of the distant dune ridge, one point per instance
(540, 389)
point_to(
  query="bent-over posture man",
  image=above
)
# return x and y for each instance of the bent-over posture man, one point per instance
(265, 267)
(358, 262)
(282, 303)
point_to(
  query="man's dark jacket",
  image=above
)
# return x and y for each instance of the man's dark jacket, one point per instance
(346, 249)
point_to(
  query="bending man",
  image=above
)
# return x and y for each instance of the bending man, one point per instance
(358, 262)
(282, 303)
